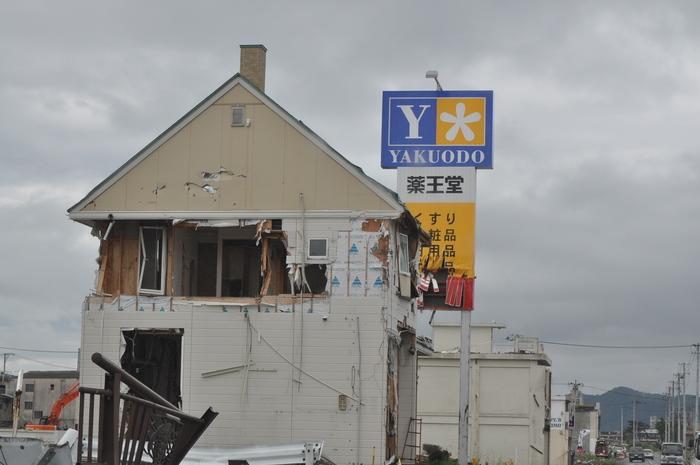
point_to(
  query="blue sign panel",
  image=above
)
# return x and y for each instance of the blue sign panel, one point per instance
(437, 128)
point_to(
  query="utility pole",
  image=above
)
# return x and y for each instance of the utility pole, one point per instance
(668, 410)
(4, 361)
(671, 419)
(572, 410)
(634, 420)
(678, 390)
(696, 423)
(685, 418)
(622, 423)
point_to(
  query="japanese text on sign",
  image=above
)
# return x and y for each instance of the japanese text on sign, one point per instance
(451, 229)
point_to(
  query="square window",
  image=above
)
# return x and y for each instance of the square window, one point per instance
(28, 405)
(318, 248)
(29, 387)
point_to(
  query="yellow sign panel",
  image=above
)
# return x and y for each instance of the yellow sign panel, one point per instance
(451, 227)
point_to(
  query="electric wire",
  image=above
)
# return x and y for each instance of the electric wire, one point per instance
(38, 350)
(598, 346)
(46, 363)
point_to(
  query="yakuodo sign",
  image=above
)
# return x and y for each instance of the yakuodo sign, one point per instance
(437, 128)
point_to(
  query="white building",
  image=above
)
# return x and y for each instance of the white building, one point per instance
(246, 265)
(509, 396)
(559, 432)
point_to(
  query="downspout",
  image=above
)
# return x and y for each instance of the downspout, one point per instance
(359, 390)
(109, 228)
(387, 314)
(303, 244)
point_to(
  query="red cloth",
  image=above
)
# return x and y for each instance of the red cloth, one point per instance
(424, 283)
(458, 290)
(455, 289)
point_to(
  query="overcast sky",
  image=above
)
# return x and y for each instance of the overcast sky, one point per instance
(587, 227)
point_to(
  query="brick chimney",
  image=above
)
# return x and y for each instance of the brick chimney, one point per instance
(253, 64)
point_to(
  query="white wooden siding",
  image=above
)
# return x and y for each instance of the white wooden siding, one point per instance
(276, 408)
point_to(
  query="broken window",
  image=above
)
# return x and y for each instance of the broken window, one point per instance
(152, 255)
(153, 357)
(197, 259)
(315, 278)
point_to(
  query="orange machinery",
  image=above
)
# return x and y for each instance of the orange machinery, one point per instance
(52, 422)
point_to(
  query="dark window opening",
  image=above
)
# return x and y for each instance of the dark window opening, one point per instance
(241, 268)
(315, 278)
(29, 387)
(28, 405)
(37, 414)
(153, 356)
(206, 270)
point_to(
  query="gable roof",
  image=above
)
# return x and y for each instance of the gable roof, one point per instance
(75, 212)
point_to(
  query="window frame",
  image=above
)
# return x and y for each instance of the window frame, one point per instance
(325, 248)
(161, 253)
(237, 113)
(404, 260)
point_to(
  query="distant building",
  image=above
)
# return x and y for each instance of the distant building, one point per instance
(7, 395)
(509, 392)
(41, 390)
(587, 417)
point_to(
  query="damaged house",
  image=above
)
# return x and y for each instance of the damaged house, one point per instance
(246, 265)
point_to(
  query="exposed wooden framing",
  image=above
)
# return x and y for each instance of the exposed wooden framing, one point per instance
(119, 265)
(266, 271)
(99, 288)
(169, 267)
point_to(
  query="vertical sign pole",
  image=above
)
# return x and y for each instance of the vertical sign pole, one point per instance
(465, 346)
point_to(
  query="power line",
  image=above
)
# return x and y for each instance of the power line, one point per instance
(44, 351)
(598, 346)
(47, 363)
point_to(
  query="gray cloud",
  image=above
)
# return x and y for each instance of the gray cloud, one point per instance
(586, 227)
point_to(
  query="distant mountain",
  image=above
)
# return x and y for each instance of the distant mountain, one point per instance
(616, 407)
